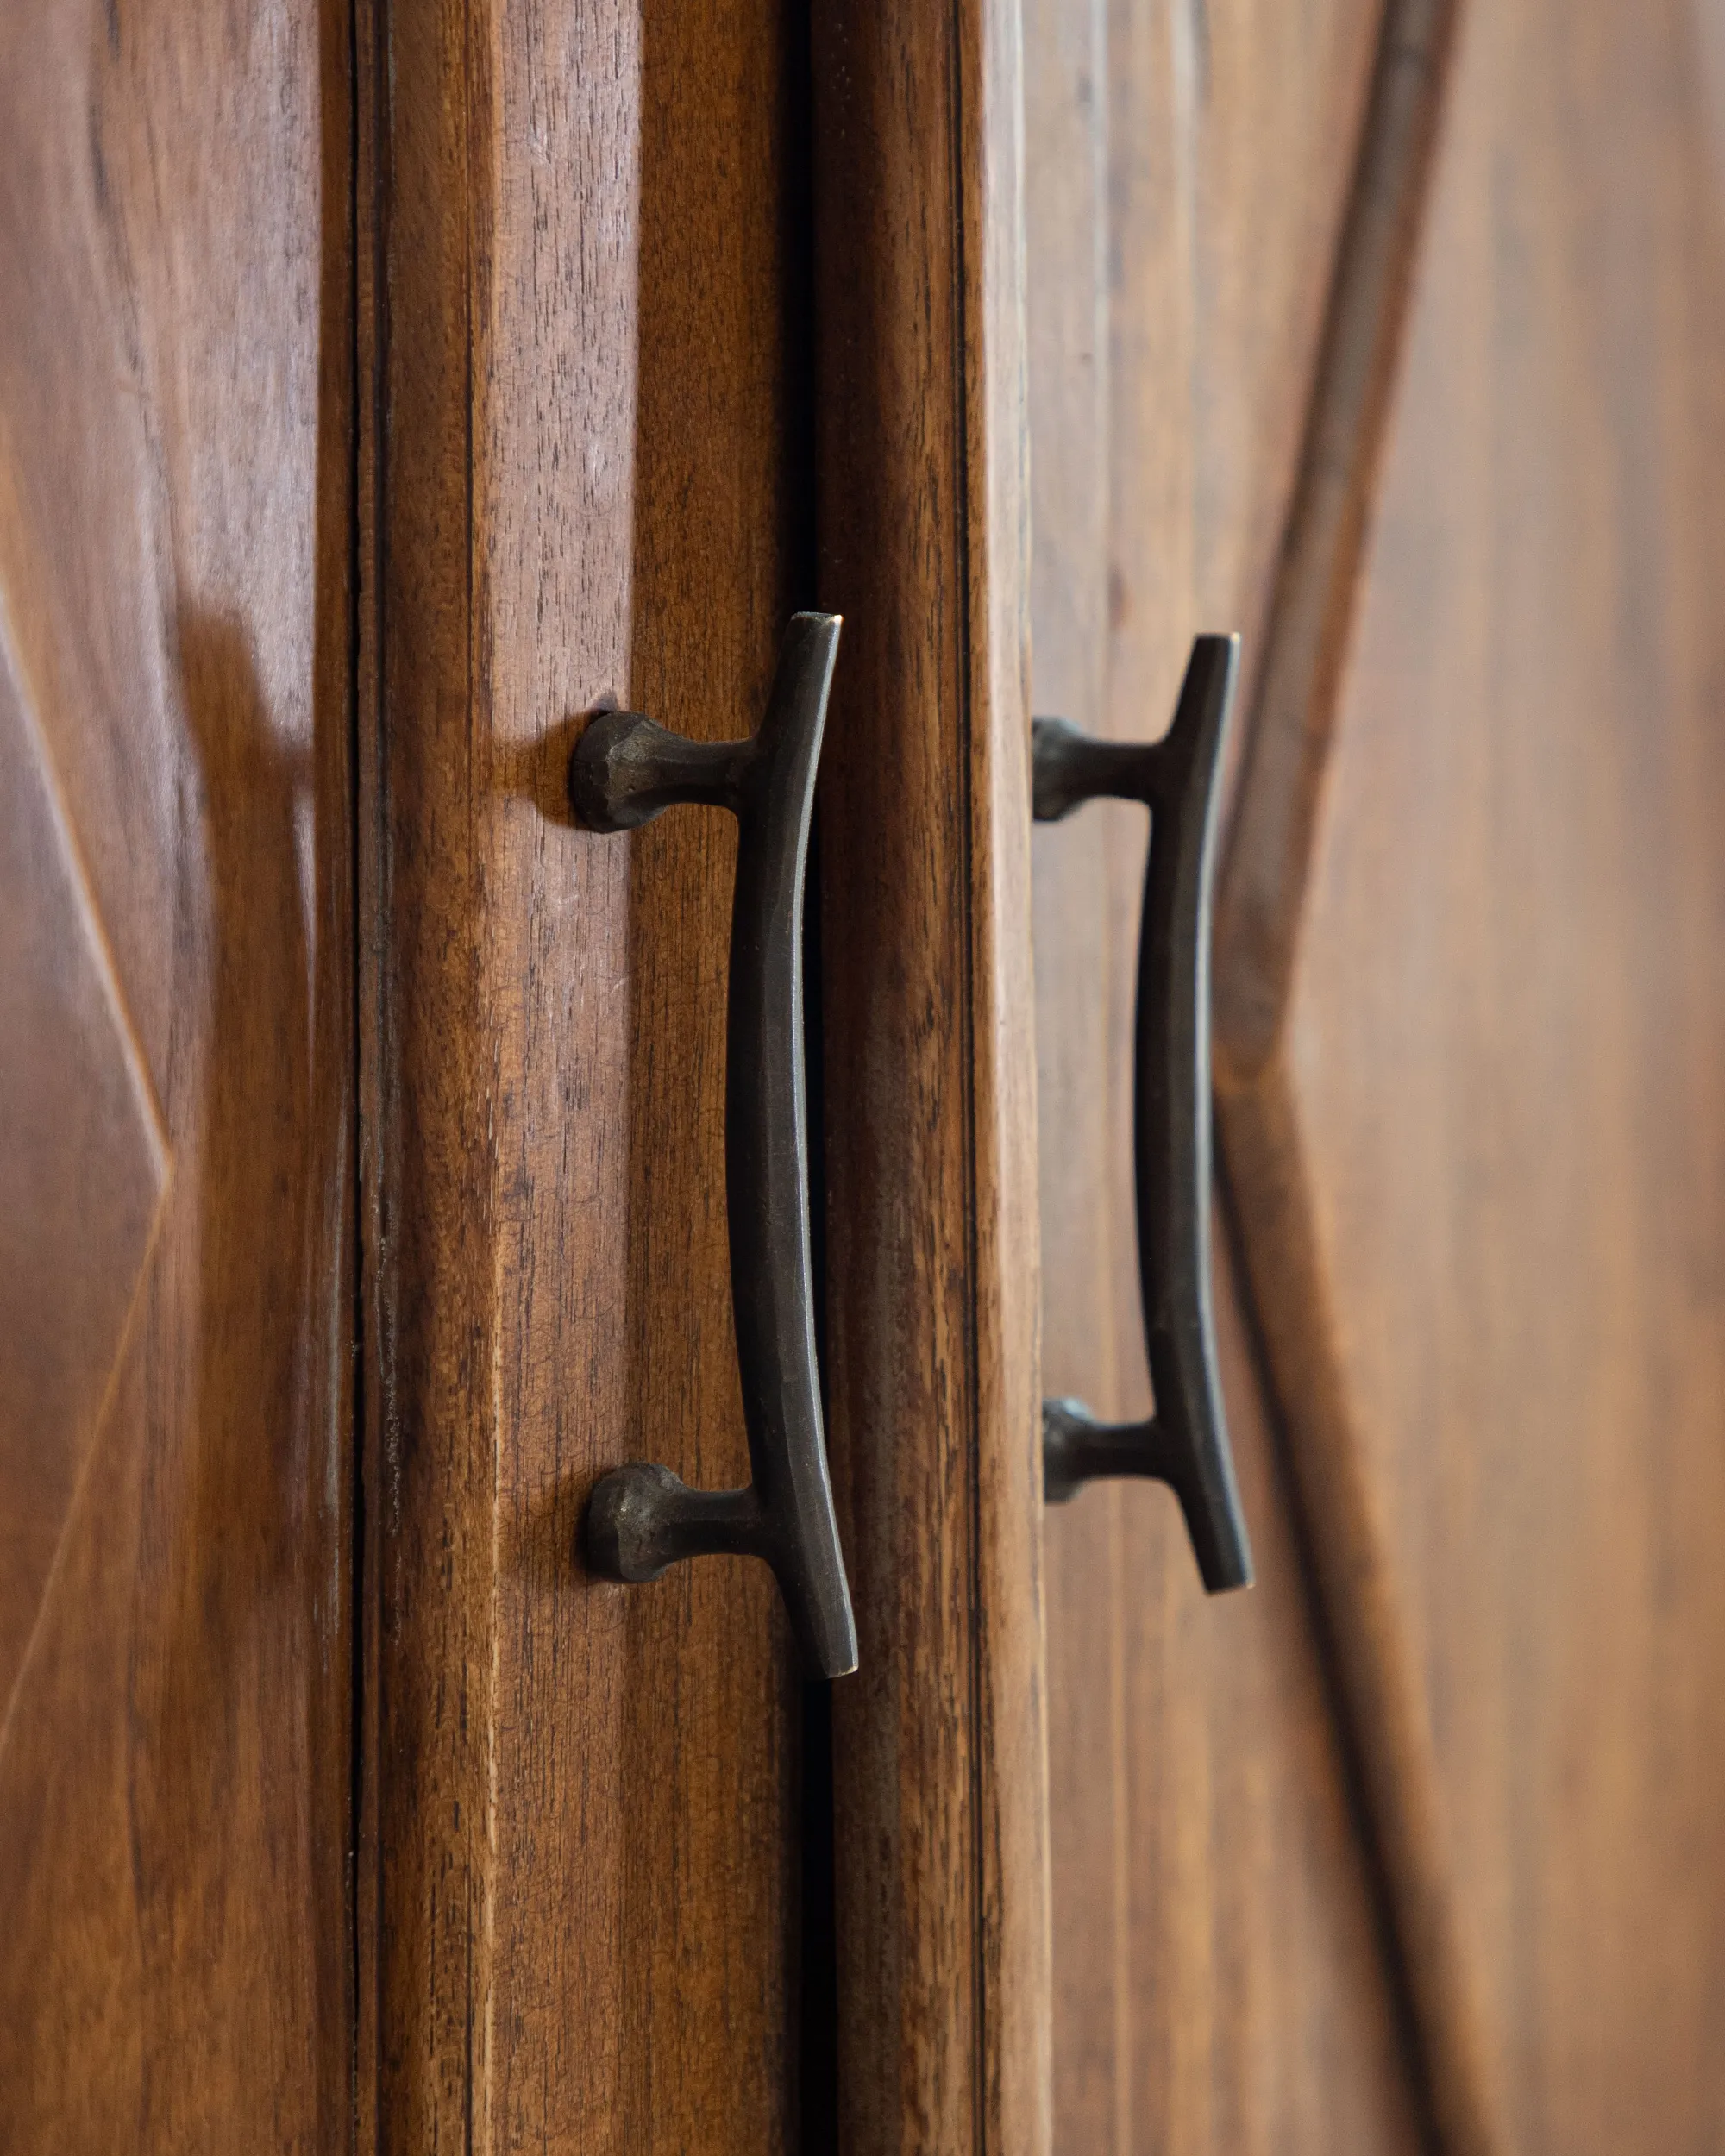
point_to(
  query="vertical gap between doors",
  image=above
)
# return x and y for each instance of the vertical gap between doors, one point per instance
(813, 2060)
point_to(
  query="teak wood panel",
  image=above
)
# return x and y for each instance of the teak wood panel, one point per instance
(1218, 1977)
(939, 1771)
(175, 1077)
(1472, 1023)
(580, 1931)
(1256, 925)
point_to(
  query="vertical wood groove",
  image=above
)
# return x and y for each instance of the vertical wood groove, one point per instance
(961, 267)
(924, 819)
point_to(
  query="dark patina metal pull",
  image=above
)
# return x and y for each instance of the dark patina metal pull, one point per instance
(1185, 1442)
(624, 771)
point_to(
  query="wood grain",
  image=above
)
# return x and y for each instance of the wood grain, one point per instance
(582, 1930)
(175, 1041)
(1219, 1978)
(1258, 919)
(81, 1173)
(938, 1761)
(1468, 1098)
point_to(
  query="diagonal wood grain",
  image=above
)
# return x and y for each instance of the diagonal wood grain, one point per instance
(1471, 1024)
(175, 452)
(82, 1172)
(1258, 923)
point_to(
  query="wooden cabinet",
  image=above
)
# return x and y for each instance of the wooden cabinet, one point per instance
(1423, 1843)
(387, 388)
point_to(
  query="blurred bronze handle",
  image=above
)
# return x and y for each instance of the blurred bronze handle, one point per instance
(1185, 1442)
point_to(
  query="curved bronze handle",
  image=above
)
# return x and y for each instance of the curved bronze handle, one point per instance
(624, 771)
(1185, 1443)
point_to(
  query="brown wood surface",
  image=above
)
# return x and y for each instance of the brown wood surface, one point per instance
(939, 1760)
(1219, 1982)
(1310, 615)
(1471, 1022)
(580, 1924)
(176, 1092)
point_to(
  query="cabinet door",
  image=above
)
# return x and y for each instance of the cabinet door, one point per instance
(1471, 1014)
(583, 297)
(1218, 1982)
(176, 1078)
(1421, 1839)
(385, 389)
